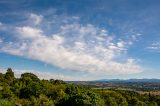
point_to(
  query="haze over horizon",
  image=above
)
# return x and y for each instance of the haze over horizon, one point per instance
(81, 39)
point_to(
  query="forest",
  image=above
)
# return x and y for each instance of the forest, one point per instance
(29, 90)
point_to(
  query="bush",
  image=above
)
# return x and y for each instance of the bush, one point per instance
(6, 102)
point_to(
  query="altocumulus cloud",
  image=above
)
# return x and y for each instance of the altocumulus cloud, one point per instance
(75, 47)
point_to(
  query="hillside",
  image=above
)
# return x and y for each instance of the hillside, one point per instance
(29, 90)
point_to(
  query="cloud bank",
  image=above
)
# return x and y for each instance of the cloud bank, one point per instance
(75, 47)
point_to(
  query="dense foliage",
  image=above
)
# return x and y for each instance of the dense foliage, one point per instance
(29, 90)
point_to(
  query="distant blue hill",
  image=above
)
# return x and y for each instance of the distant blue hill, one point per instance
(119, 80)
(128, 80)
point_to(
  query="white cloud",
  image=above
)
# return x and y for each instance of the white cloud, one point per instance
(75, 47)
(121, 44)
(154, 47)
(28, 32)
(36, 19)
(52, 50)
(1, 24)
(2, 27)
(1, 41)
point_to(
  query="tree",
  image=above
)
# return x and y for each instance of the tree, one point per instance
(134, 101)
(113, 98)
(29, 90)
(6, 102)
(32, 89)
(9, 76)
(1, 77)
(30, 75)
(153, 104)
(45, 101)
(80, 97)
(110, 101)
(6, 92)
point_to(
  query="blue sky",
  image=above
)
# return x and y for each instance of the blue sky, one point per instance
(81, 39)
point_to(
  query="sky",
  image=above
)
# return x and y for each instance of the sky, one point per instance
(81, 39)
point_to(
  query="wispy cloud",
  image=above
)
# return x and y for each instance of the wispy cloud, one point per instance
(36, 19)
(2, 27)
(75, 47)
(154, 47)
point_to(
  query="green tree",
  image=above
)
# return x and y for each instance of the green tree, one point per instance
(45, 101)
(153, 104)
(9, 76)
(80, 97)
(1, 77)
(113, 98)
(30, 75)
(6, 102)
(6, 92)
(32, 89)
(110, 101)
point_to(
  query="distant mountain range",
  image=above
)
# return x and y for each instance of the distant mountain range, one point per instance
(120, 80)
(128, 80)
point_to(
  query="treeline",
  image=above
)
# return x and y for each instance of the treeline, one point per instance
(29, 90)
